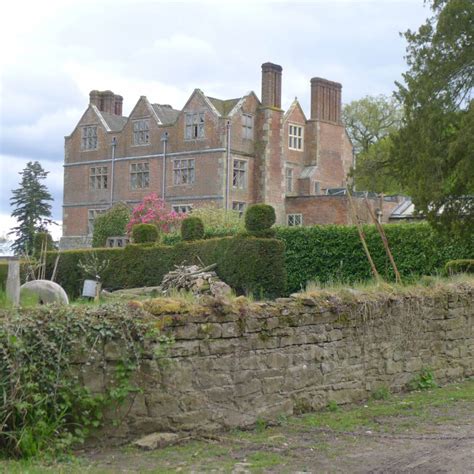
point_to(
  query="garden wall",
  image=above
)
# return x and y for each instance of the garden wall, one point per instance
(235, 363)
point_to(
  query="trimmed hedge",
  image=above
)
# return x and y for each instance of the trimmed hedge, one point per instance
(192, 228)
(335, 253)
(259, 217)
(248, 265)
(145, 233)
(459, 266)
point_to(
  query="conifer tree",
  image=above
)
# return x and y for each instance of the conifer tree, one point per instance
(31, 207)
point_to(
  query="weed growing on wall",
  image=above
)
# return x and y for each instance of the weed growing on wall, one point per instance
(46, 404)
(423, 381)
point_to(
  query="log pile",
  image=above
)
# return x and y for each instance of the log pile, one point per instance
(197, 280)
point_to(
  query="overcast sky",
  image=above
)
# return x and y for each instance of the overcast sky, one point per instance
(55, 52)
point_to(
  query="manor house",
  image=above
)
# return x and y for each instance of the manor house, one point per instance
(227, 153)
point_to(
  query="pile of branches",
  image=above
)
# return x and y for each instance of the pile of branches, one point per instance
(197, 280)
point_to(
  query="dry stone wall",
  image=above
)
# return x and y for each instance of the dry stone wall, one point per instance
(235, 363)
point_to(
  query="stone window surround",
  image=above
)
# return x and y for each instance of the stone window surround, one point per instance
(182, 208)
(247, 126)
(91, 217)
(184, 171)
(239, 206)
(239, 173)
(289, 179)
(98, 177)
(295, 137)
(195, 123)
(294, 220)
(89, 141)
(139, 175)
(141, 132)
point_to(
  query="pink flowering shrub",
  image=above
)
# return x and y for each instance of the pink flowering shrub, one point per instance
(152, 211)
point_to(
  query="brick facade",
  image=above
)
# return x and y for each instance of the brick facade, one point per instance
(233, 151)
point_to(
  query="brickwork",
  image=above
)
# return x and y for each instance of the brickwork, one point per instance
(238, 150)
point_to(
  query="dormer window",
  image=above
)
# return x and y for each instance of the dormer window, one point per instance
(141, 132)
(89, 137)
(295, 137)
(194, 126)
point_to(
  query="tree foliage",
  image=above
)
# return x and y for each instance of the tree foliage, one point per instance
(433, 153)
(369, 123)
(111, 223)
(31, 207)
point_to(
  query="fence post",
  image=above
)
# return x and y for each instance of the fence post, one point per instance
(13, 281)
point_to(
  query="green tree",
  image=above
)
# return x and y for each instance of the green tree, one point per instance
(369, 123)
(110, 224)
(31, 208)
(433, 153)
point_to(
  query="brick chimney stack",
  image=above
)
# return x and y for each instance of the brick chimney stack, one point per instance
(325, 100)
(106, 101)
(271, 85)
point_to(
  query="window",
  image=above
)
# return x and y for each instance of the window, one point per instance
(141, 132)
(239, 207)
(183, 171)
(89, 138)
(91, 217)
(295, 137)
(239, 174)
(247, 126)
(98, 177)
(289, 180)
(294, 220)
(182, 208)
(194, 126)
(317, 187)
(139, 175)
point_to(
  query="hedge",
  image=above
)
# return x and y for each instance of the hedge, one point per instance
(335, 253)
(459, 266)
(248, 265)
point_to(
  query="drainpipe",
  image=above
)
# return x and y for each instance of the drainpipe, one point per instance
(114, 144)
(228, 169)
(164, 139)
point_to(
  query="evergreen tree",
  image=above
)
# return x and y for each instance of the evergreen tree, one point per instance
(32, 211)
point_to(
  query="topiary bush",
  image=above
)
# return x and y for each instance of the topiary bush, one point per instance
(259, 218)
(110, 224)
(39, 240)
(192, 228)
(145, 233)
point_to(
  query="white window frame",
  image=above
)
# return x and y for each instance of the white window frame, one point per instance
(89, 140)
(91, 217)
(294, 220)
(141, 132)
(289, 179)
(182, 208)
(194, 125)
(140, 175)
(98, 177)
(247, 126)
(239, 173)
(184, 171)
(239, 206)
(295, 137)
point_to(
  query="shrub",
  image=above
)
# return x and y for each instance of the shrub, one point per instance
(459, 266)
(192, 228)
(259, 217)
(249, 265)
(152, 210)
(144, 233)
(41, 239)
(219, 220)
(110, 224)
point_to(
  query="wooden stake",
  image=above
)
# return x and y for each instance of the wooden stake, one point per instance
(383, 236)
(13, 281)
(362, 237)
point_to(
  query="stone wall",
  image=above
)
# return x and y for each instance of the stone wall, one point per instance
(234, 364)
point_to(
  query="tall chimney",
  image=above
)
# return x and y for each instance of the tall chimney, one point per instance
(325, 100)
(118, 105)
(271, 85)
(106, 101)
(94, 98)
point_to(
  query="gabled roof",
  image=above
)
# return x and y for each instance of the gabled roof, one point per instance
(115, 122)
(166, 113)
(224, 107)
(294, 104)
